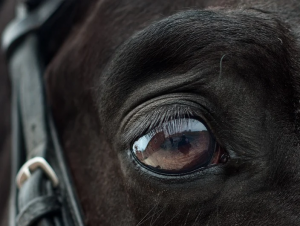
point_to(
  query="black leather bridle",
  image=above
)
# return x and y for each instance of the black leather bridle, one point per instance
(41, 189)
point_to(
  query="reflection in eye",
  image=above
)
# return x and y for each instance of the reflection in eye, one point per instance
(178, 146)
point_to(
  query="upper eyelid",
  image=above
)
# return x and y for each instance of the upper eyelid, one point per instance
(156, 118)
(143, 123)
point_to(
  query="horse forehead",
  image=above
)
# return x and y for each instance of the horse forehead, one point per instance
(158, 60)
(151, 60)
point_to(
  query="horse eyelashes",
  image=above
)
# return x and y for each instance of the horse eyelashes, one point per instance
(178, 146)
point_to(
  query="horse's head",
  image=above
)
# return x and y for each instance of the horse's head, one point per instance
(173, 114)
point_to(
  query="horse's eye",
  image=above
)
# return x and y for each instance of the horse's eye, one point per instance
(178, 146)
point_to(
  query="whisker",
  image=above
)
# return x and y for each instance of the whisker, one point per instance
(145, 217)
(173, 217)
(186, 218)
(152, 223)
(221, 61)
(196, 218)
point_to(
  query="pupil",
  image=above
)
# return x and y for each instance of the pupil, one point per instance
(177, 146)
(184, 144)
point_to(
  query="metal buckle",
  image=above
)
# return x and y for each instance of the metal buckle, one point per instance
(30, 166)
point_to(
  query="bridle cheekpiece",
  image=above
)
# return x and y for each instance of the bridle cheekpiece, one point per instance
(42, 192)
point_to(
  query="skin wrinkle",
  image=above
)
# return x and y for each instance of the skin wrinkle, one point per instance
(128, 52)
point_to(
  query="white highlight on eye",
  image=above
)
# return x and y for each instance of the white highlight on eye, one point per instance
(169, 128)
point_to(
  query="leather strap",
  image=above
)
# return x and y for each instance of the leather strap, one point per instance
(26, 78)
(38, 208)
(28, 81)
(37, 202)
(27, 22)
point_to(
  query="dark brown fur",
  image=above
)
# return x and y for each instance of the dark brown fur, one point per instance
(125, 63)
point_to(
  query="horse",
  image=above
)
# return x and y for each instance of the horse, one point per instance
(120, 72)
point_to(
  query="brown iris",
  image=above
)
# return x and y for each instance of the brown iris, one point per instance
(178, 146)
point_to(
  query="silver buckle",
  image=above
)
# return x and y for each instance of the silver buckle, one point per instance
(30, 166)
